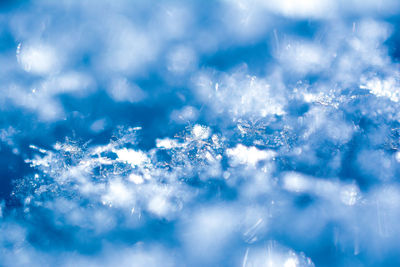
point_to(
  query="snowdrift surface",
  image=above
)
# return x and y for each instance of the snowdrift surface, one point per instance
(199, 133)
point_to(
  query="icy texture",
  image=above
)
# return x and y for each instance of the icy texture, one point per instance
(199, 133)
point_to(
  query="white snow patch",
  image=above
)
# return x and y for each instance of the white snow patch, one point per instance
(166, 143)
(135, 178)
(248, 155)
(242, 95)
(41, 59)
(118, 194)
(201, 132)
(159, 205)
(304, 57)
(388, 88)
(133, 157)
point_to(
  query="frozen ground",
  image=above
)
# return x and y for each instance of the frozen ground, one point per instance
(199, 133)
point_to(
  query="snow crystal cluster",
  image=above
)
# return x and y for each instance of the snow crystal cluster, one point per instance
(199, 133)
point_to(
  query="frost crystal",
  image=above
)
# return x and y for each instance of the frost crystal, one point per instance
(199, 133)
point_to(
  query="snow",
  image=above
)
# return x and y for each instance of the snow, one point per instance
(181, 60)
(121, 90)
(133, 157)
(248, 155)
(199, 133)
(39, 58)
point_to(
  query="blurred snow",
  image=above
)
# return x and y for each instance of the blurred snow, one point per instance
(248, 155)
(121, 90)
(199, 133)
(39, 59)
